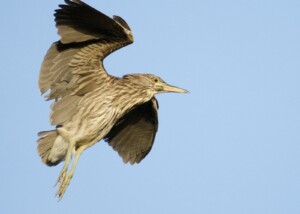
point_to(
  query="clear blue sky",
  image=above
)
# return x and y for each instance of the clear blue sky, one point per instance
(231, 146)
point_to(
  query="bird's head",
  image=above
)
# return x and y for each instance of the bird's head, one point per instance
(153, 84)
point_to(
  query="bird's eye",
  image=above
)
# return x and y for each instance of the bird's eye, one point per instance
(155, 80)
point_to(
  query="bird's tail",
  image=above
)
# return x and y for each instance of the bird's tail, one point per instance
(51, 147)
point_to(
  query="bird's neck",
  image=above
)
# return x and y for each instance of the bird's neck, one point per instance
(130, 96)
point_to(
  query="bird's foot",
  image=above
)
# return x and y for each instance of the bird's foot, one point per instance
(64, 182)
(61, 176)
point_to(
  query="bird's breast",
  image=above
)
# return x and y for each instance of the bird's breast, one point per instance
(99, 113)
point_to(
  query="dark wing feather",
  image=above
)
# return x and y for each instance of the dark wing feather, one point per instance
(73, 66)
(133, 135)
(78, 22)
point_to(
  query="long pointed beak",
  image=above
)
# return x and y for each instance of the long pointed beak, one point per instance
(170, 88)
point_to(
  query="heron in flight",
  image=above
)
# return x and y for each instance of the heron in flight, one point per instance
(88, 103)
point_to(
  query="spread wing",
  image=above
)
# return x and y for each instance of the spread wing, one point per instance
(133, 135)
(73, 66)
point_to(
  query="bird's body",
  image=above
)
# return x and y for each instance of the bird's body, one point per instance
(89, 104)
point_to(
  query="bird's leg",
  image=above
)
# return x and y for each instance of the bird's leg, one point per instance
(61, 180)
(70, 174)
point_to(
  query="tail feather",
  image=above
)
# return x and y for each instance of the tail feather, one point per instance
(51, 147)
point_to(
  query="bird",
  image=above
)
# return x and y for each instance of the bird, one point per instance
(89, 104)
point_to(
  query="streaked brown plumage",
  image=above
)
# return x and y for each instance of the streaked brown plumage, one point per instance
(89, 104)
